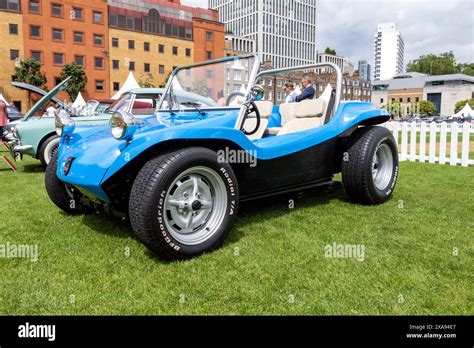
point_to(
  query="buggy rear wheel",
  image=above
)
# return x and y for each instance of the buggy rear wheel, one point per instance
(370, 167)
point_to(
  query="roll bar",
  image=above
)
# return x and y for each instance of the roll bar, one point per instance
(238, 124)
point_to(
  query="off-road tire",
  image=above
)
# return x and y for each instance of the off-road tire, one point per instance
(67, 200)
(147, 202)
(357, 165)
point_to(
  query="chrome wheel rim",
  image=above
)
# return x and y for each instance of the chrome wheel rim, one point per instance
(195, 205)
(50, 150)
(382, 167)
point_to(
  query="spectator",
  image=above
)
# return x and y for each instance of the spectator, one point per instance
(222, 101)
(308, 92)
(290, 94)
(3, 116)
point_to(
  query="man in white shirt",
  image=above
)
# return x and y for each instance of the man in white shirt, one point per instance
(290, 94)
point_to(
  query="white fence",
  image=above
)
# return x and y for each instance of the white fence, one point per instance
(428, 142)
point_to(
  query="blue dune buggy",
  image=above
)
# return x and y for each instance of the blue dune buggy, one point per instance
(180, 174)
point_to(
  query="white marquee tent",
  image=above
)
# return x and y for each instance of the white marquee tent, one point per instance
(465, 112)
(79, 102)
(130, 83)
(2, 98)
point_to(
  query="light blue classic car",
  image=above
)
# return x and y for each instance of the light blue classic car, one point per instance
(35, 135)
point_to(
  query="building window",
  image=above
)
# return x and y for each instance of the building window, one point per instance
(56, 10)
(146, 46)
(58, 58)
(78, 37)
(208, 55)
(98, 40)
(175, 50)
(408, 100)
(35, 31)
(161, 69)
(115, 42)
(401, 100)
(97, 17)
(12, 5)
(161, 48)
(58, 34)
(417, 99)
(115, 64)
(131, 44)
(209, 36)
(99, 85)
(116, 86)
(57, 81)
(14, 54)
(79, 60)
(99, 63)
(147, 67)
(37, 55)
(188, 52)
(13, 29)
(131, 66)
(209, 74)
(34, 6)
(76, 14)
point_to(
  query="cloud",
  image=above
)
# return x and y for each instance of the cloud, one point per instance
(197, 3)
(431, 26)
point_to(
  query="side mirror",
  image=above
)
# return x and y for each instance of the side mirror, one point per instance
(256, 93)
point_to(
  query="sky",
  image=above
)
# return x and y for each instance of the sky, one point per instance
(427, 26)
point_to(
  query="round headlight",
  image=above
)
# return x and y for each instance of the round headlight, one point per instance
(120, 123)
(63, 121)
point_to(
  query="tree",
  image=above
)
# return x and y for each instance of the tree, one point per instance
(468, 69)
(432, 64)
(29, 71)
(394, 108)
(460, 104)
(330, 51)
(78, 80)
(427, 108)
(146, 81)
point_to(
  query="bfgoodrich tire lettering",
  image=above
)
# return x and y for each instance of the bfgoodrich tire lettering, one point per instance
(162, 199)
(370, 167)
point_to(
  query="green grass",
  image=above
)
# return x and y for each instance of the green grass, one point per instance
(409, 245)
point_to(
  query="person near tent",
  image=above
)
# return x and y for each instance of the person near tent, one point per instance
(3, 116)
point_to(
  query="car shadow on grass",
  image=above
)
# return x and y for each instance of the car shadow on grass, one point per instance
(265, 209)
(33, 168)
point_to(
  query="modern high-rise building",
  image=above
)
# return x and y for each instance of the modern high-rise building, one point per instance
(365, 70)
(285, 31)
(388, 52)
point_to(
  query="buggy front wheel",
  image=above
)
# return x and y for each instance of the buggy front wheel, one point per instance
(183, 204)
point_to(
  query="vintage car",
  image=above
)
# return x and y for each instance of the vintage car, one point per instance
(180, 174)
(36, 136)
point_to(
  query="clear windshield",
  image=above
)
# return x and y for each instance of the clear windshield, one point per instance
(221, 84)
(121, 104)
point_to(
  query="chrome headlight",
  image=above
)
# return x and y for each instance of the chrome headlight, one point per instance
(64, 124)
(122, 125)
(15, 133)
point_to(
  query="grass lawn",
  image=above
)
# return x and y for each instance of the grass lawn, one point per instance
(273, 263)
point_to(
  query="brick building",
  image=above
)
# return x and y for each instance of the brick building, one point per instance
(108, 38)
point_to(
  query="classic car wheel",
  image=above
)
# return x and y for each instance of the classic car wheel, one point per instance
(65, 197)
(370, 167)
(184, 203)
(48, 149)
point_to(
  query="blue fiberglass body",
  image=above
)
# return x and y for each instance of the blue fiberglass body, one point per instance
(98, 156)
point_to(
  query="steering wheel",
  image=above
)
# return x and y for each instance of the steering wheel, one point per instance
(233, 95)
(252, 108)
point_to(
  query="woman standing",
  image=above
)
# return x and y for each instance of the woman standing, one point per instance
(3, 116)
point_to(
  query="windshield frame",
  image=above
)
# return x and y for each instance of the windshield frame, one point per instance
(252, 78)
